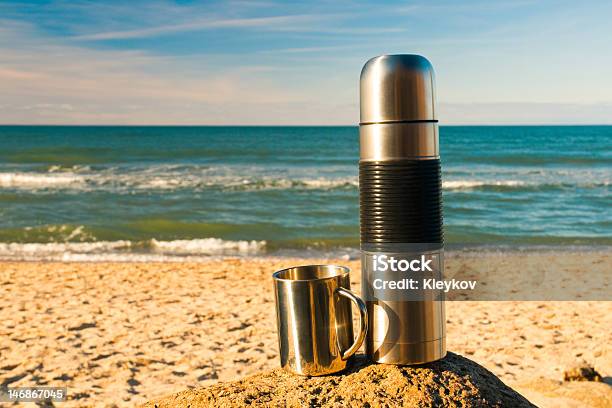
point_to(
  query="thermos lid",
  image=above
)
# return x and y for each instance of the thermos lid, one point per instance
(397, 88)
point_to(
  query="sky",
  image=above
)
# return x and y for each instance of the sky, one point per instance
(280, 63)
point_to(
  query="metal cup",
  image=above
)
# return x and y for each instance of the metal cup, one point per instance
(315, 325)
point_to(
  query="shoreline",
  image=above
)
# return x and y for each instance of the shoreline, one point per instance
(344, 254)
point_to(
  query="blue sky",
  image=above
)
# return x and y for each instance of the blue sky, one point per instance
(268, 62)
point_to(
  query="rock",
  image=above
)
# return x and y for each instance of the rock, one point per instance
(453, 381)
(581, 372)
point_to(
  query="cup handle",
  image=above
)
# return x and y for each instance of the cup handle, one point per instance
(363, 321)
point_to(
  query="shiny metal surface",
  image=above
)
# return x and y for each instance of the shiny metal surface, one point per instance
(396, 141)
(406, 332)
(397, 88)
(399, 123)
(407, 354)
(315, 327)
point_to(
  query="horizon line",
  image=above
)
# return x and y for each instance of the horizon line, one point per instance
(286, 125)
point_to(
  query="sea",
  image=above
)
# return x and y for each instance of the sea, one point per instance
(106, 193)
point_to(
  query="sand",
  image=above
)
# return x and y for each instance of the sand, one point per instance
(119, 334)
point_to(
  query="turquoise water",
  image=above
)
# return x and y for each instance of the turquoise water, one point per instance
(108, 192)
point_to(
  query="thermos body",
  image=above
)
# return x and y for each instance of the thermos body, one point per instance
(400, 203)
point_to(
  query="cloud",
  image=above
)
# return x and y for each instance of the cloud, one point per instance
(275, 23)
(453, 7)
(14, 74)
(316, 50)
(313, 23)
(46, 81)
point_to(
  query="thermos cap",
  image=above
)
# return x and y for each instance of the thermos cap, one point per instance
(397, 88)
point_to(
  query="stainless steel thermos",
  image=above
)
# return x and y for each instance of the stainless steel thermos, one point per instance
(400, 209)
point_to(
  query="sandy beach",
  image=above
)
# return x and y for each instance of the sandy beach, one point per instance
(119, 334)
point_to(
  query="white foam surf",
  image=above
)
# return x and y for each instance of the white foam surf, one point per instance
(41, 180)
(58, 251)
(127, 251)
(468, 184)
(208, 246)
(164, 178)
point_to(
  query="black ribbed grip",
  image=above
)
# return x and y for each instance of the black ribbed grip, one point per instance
(400, 202)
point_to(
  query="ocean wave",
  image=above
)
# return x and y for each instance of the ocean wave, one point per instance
(208, 246)
(77, 168)
(517, 184)
(469, 184)
(41, 180)
(117, 181)
(164, 178)
(153, 250)
(55, 250)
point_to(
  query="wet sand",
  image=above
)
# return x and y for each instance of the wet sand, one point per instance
(119, 334)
